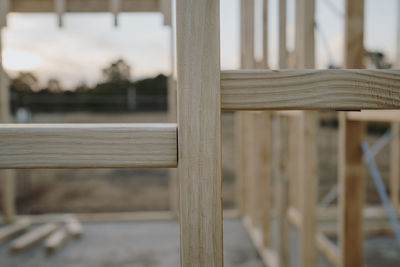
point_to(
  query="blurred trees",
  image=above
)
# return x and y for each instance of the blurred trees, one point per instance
(113, 94)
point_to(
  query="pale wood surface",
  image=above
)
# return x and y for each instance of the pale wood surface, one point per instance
(241, 118)
(354, 52)
(165, 7)
(308, 181)
(13, 229)
(268, 256)
(22, 6)
(34, 236)
(293, 163)
(4, 6)
(59, 8)
(375, 115)
(56, 240)
(283, 58)
(87, 145)
(395, 165)
(279, 175)
(7, 177)
(352, 190)
(74, 227)
(199, 123)
(310, 89)
(351, 134)
(327, 248)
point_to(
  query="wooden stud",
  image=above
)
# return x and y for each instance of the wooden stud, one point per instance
(74, 227)
(199, 123)
(293, 164)
(7, 177)
(241, 118)
(4, 8)
(83, 6)
(87, 145)
(282, 35)
(310, 89)
(115, 7)
(60, 8)
(308, 180)
(166, 10)
(354, 51)
(282, 202)
(14, 229)
(265, 35)
(351, 134)
(351, 198)
(328, 249)
(398, 36)
(374, 115)
(56, 240)
(36, 235)
(395, 166)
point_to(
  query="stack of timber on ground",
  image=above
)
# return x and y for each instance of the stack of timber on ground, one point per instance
(193, 145)
(23, 235)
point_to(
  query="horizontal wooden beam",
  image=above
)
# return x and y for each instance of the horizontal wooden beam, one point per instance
(84, 6)
(375, 115)
(88, 145)
(310, 89)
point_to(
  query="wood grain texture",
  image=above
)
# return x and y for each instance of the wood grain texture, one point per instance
(310, 89)
(23, 6)
(241, 130)
(352, 190)
(308, 181)
(199, 123)
(87, 145)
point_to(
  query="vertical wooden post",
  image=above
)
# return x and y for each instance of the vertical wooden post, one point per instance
(282, 197)
(351, 134)
(265, 34)
(282, 35)
(59, 8)
(115, 7)
(308, 179)
(352, 187)
(7, 176)
(307, 157)
(398, 36)
(241, 117)
(395, 166)
(199, 132)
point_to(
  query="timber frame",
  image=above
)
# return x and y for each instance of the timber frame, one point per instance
(203, 92)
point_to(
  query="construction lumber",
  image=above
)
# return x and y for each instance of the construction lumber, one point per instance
(328, 248)
(268, 256)
(310, 89)
(13, 229)
(56, 240)
(83, 6)
(34, 236)
(74, 227)
(88, 145)
(374, 115)
(199, 122)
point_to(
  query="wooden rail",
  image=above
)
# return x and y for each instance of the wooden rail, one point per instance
(84, 6)
(310, 89)
(88, 145)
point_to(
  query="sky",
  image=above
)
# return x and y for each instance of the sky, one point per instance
(87, 43)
